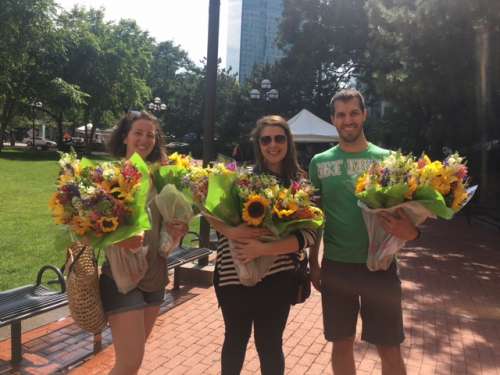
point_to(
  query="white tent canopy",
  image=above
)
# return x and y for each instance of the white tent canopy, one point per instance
(306, 127)
(82, 128)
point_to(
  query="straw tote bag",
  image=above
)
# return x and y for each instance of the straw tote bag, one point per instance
(83, 288)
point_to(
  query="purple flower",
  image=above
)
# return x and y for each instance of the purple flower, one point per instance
(385, 177)
(232, 166)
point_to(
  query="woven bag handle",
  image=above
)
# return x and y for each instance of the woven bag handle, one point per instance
(75, 259)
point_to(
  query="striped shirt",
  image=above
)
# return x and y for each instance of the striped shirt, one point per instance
(224, 264)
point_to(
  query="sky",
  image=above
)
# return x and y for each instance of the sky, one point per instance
(183, 21)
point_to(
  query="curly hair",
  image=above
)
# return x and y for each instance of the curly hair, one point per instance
(118, 149)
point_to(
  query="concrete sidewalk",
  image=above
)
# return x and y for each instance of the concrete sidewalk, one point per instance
(451, 282)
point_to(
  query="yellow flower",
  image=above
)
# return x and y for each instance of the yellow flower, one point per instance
(361, 183)
(284, 212)
(58, 212)
(65, 179)
(180, 160)
(80, 225)
(108, 223)
(53, 201)
(254, 209)
(459, 197)
(412, 186)
(123, 191)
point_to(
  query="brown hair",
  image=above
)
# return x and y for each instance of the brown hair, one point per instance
(290, 168)
(346, 95)
(118, 149)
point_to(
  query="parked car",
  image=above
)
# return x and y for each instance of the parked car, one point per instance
(40, 142)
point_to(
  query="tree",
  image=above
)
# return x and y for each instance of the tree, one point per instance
(323, 41)
(108, 62)
(26, 41)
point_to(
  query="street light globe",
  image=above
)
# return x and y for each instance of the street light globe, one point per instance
(254, 94)
(265, 84)
(151, 106)
(157, 100)
(163, 106)
(273, 94)
(38, 104)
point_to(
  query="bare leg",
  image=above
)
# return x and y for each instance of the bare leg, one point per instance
(150, 315)
(343, 357)
(392, 360)
(128, 339)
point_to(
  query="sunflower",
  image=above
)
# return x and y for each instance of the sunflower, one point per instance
(54, 201)
(124, 191)
(285, 211)
(65, 179)
(58, 212)
(254, 209)
(80, 225)
(108, 223)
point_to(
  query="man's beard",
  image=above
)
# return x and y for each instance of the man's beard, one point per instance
(350, 138)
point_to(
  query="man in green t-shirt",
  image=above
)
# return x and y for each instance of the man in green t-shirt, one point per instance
(347, 286)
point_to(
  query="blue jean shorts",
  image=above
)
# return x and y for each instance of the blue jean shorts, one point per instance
(113, 301)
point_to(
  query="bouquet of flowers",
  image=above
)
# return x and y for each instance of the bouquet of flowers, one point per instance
(422, 188)
(182, 185)
(259, 200)
(102, 202)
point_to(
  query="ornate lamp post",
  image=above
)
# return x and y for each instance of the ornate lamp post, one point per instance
(269, 93)
(156, 106)
(34, 107)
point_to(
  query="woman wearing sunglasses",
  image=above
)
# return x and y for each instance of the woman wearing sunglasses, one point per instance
(132, 314)
(266, 305)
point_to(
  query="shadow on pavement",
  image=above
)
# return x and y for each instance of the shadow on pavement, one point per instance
(450, 298)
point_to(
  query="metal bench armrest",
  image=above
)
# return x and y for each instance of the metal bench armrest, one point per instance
(60, 277)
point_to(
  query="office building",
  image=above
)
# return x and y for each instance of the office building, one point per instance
(252, 31)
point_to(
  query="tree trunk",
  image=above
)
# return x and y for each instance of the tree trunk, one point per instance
(6, 117)
(60, 129)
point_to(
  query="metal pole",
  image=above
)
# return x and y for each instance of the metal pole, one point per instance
(33, 135)
(483, 98)
(209, 110)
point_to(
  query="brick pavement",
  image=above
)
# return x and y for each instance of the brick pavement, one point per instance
(451, 286)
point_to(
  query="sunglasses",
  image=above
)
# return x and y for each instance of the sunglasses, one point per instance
(267, 139)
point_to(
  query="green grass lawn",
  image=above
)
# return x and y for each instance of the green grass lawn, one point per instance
(27, 231)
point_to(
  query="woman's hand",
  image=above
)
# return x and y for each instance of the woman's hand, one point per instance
(247, 250)
(132, 243)
(244, 232)
(176, 229)
(398, 224)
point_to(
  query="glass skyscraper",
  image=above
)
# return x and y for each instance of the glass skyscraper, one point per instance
(252, 32)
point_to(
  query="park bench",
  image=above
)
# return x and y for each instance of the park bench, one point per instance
(28, 301)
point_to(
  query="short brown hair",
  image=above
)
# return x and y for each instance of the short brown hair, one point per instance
(118, 149)
(346, 95)
(291, 169)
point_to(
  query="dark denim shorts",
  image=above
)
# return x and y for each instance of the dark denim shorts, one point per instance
(113, 301)
(348, 289)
